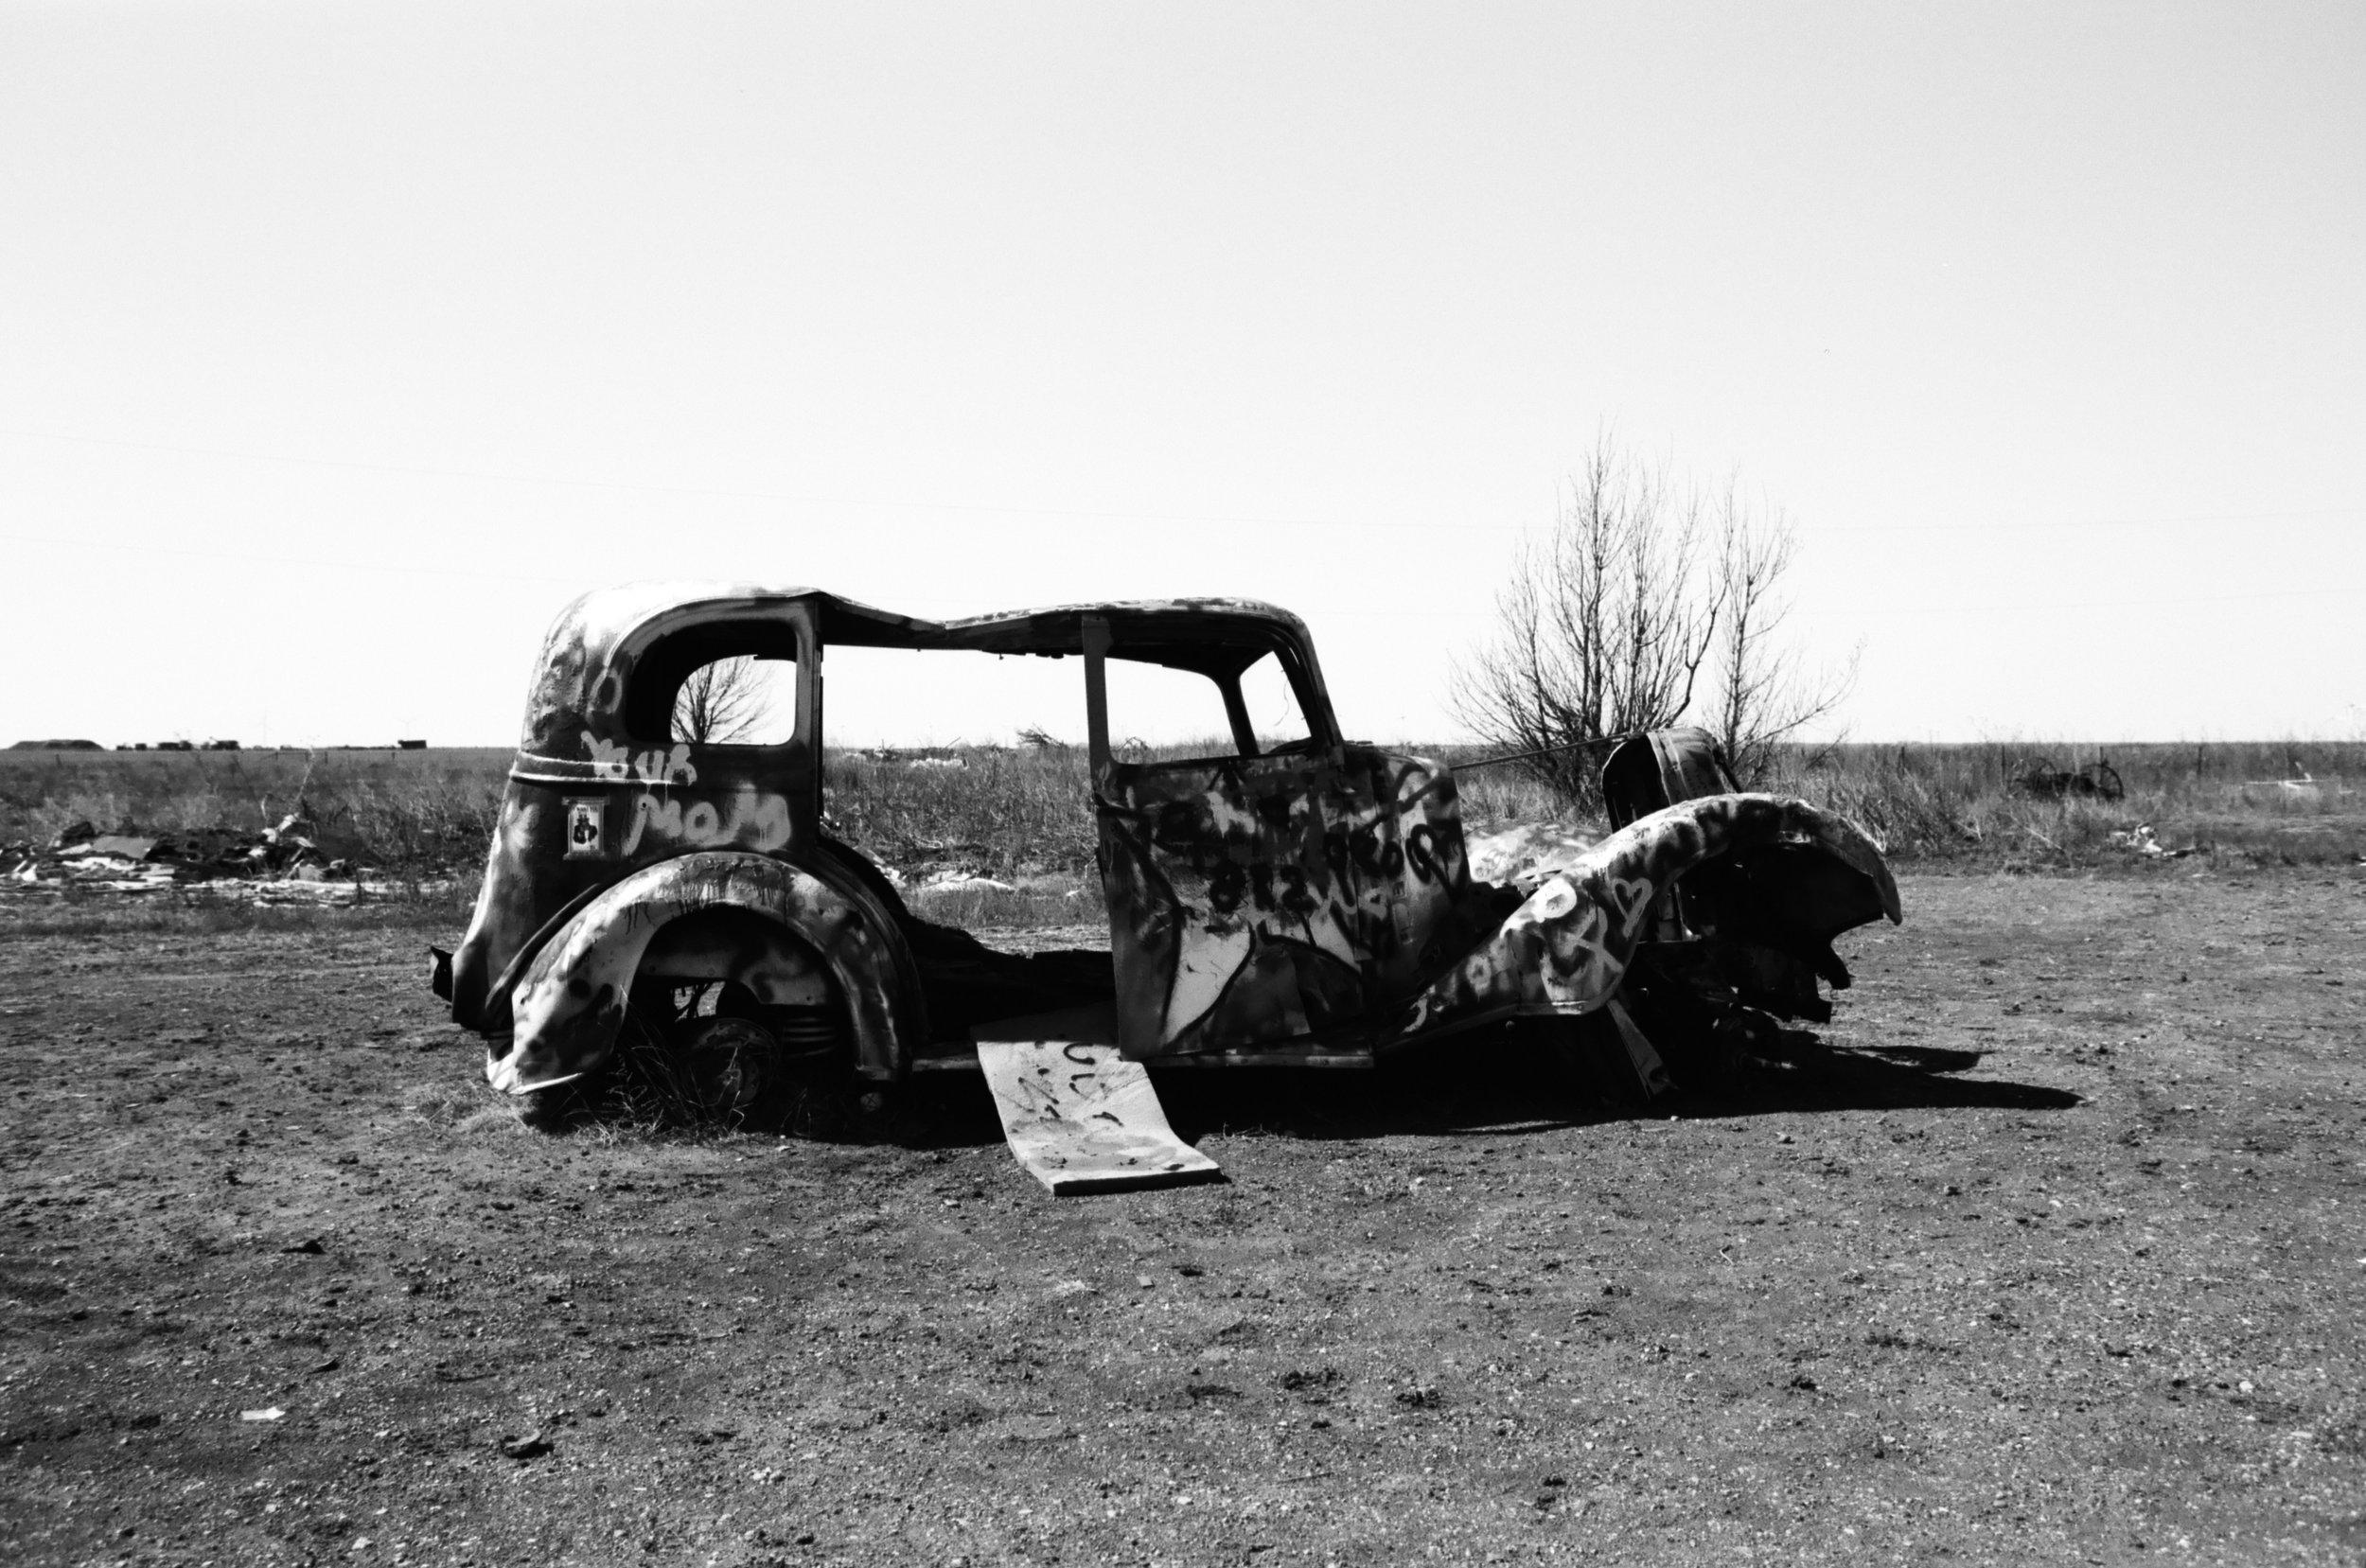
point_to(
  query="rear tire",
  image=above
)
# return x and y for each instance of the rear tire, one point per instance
(735, 1066)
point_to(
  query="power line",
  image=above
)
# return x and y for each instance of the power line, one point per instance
(1892, 531)
(1358, 612)
(249, 557)
(1908, 532)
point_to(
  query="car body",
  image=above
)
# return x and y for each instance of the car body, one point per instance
(1309, 904)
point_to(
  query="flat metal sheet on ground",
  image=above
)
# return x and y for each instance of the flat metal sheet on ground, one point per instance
(1083, 1119)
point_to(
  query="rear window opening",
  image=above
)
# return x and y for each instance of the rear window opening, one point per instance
(727, 683)
(743, 700)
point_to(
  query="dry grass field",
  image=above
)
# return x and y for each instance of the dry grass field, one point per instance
(1022, 814)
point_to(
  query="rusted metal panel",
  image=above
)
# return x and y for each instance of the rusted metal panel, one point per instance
(1078, 1115)
(1654, 770)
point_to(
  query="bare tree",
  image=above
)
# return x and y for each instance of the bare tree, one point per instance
(1764, 693)
(721, 702)
(1637, 601)
(1602, 628)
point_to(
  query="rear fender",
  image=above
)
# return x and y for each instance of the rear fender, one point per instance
(1567, 947)
(570, 1002)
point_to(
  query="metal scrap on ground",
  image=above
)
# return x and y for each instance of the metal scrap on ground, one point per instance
(1077, 1114)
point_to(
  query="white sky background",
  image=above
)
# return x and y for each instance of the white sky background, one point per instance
(339, 346)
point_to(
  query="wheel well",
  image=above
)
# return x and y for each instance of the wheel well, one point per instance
(777, 967)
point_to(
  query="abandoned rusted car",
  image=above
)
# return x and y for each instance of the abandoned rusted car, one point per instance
(1310, 901)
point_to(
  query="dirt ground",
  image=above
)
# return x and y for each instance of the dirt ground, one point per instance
(2052, 1250)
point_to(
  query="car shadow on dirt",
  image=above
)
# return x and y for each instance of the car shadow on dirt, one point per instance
(1504, 1090)
(1495, 1087)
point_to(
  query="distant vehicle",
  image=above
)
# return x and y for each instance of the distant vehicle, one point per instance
(1304, 903)
(410, 746)
(222, 745)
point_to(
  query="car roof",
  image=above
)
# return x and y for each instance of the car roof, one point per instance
(605, 630)
(607, 619)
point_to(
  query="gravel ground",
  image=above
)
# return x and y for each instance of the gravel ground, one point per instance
(2049, 1250)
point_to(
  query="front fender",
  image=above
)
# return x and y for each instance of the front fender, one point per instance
(570, 1002)
(1566, 949)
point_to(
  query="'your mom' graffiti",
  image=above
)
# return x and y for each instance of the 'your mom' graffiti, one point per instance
(747, 817)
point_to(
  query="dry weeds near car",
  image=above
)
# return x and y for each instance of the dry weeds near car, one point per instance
(2047, 1250)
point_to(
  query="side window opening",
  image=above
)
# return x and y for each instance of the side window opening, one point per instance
(906, 701)
(1274, 715)
(1158, 713)
(1161, 713)
(741, 700)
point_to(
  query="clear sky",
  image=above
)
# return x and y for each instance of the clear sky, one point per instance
(341, 345)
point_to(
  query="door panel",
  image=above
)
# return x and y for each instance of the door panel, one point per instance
(1230, 919)
(1256, 900)
(1396, 830)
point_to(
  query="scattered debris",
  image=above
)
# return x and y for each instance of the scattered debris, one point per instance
(933, 757)
(122, 845)
(2304, 787)
(951, 881)
(1524, 856)
(293, 855)
(2139, 840)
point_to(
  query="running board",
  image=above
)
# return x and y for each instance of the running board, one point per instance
(1077, 1114)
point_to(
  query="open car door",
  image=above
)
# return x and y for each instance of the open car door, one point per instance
(1272, 903)
(1233, 903)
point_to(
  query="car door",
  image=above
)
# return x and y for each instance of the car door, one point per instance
(1229, 921)
(1231, 911)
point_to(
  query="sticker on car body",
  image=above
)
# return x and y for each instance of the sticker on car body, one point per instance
(585, 828)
